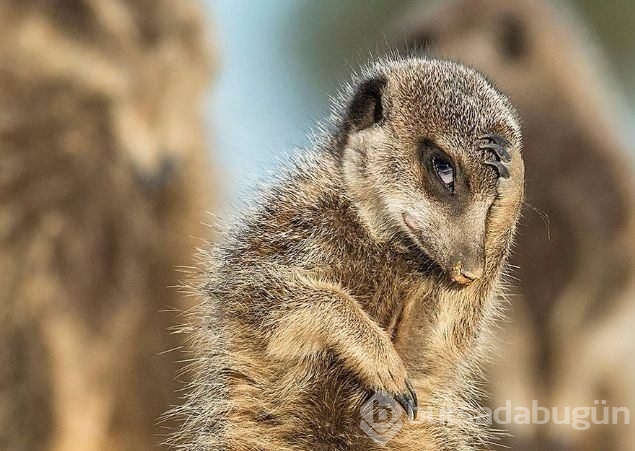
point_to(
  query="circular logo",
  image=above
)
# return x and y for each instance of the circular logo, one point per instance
(381, 417)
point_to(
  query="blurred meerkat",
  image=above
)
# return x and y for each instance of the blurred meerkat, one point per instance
(567, 344)
(102, 186)
(372, 264)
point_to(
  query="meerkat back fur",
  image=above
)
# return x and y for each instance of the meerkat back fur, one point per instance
(371, 265)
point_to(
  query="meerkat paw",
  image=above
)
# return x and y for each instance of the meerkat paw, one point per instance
(498, 155)
(391, 377)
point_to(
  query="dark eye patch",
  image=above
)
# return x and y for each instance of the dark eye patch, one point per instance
(440, 167)
(444, 170)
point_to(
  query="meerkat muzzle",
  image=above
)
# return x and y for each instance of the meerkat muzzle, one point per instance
(463, 275)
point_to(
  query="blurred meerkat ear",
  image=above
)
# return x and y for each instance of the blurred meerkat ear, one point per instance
(366, 107)
(420, 42)
(513, 37)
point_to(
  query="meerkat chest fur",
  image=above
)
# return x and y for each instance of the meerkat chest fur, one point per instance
(371, 265)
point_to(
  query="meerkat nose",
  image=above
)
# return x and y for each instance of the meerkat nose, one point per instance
(411, 222)
(465, 275)
(470, 276)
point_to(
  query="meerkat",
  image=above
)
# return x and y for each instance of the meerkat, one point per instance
(565, 346)
(102, 186)
(371, 265)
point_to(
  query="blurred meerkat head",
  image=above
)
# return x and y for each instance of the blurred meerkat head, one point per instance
(428, 151)
(528, 46)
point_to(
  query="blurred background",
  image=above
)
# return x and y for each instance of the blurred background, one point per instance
(281, 60)
(123, 122)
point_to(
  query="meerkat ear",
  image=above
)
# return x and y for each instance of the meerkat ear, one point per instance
(366, 107)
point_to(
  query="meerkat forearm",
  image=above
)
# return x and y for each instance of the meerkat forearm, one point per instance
(334, 321)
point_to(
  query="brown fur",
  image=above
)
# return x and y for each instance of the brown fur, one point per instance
(101, 188)
(575, 248)
(321, 295)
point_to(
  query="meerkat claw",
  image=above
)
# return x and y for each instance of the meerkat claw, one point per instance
(497, 139)
(499, 150)
(413, 393)
(408, 402)
(503, 172)
(498, 145)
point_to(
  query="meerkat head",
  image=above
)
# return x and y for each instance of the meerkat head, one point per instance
(427, 146)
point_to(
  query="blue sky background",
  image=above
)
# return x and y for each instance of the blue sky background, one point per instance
(260, 101)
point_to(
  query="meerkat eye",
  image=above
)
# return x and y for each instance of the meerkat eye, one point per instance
(445, 171)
